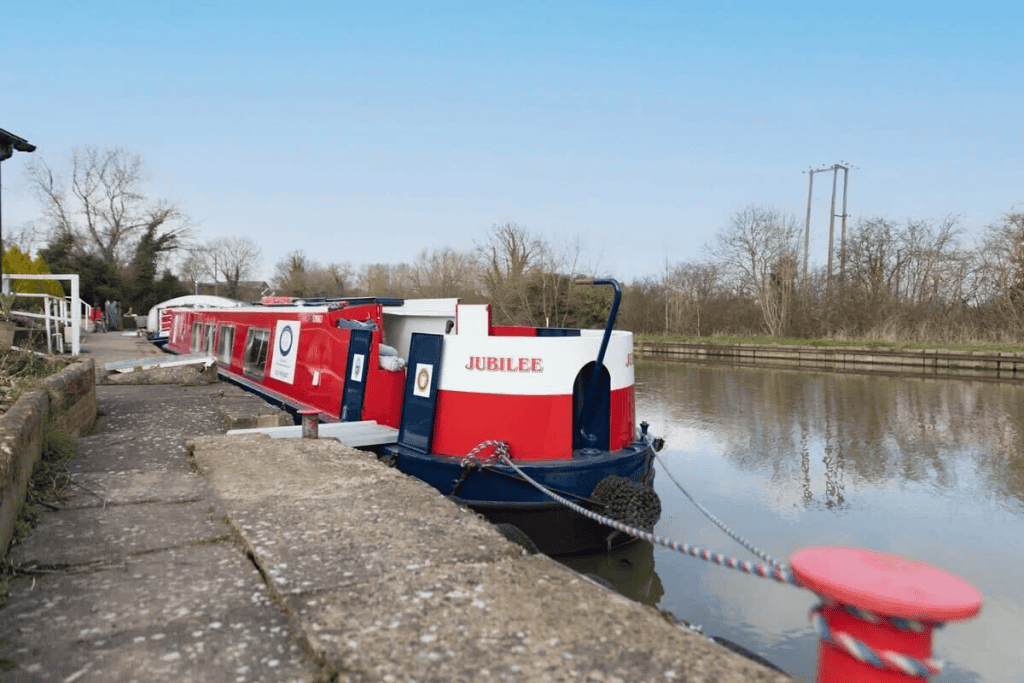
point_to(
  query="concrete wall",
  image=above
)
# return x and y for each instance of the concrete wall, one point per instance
(69, 399)
(931, 362)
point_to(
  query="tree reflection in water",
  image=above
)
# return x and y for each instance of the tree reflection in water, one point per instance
(821, 431)
(927, 468)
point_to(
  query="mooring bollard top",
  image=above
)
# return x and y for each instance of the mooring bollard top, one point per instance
(885, 584)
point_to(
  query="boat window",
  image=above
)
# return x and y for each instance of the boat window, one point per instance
(225, 343)
(345, 323)
(256, 344)
(197, 337)
(208, 338)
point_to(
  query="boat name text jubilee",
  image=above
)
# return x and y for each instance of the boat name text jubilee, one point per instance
(497, 364)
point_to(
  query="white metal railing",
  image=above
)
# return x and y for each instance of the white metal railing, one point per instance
(59, 313)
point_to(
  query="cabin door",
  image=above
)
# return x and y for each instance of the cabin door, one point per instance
(417, 429)
(355, 375)
(591, 408)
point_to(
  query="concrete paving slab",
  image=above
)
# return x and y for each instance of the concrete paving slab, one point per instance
(385, 579)
(147, 411)
(244, 410)
(322, 514)
(517, 619)
(105, 534)
(196, 614)
(139, 578)
(128, 451)
(313, 545)
(98, 489)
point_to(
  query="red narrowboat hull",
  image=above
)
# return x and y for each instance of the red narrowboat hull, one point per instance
(438, 372)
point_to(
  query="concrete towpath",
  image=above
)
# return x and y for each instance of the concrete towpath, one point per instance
(185, 555)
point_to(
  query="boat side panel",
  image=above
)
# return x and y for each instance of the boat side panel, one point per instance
(535, 427)
(513, 331)
(531, 365)
(622, 418)
(320, 372)
(384, 391)
(322, 354)
(322, 362)
(498, 485)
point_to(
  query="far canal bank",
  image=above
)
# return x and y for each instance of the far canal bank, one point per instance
(936, 362)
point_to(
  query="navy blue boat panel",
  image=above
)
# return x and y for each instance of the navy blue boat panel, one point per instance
(557, 332)
(424, 371)
(355, 375)
(591, 414)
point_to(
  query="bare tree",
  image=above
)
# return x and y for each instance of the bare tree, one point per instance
(688, 289)
(194, 267)
(1000, 270)
(298, 275)
(441, 273)
(758, 249)
(873, 256)
(507, 256)
(290, 273)
(383, 279)
(332, 280)
(927, 248)
(99, 203)
(554, 294)
(235, 259)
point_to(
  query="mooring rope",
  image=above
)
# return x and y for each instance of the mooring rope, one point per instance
(881, 659)
(778, 572)
(719, 523)
(862, 652)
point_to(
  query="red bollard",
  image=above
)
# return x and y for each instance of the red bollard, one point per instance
(310, 424)
(878, 612)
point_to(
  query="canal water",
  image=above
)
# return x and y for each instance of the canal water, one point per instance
(932, 469)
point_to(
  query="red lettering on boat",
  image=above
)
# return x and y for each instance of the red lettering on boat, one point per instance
(504, 364)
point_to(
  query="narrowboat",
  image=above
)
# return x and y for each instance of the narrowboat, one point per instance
(158, 320)
(440, 386)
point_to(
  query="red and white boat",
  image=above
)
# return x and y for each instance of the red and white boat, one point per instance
(158, 320)
(432, 380)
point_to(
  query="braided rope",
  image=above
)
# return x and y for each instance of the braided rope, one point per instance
(719, 523)
(882, 659)
(500, 448)
(780, 573)
(913, 625)
(862, 652)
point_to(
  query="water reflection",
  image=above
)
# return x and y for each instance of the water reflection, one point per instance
(865, 429)
(926, 468)
(630, 569)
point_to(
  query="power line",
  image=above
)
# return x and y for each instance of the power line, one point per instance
(835, 168)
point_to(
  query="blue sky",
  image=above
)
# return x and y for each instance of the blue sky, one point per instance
(366, 132)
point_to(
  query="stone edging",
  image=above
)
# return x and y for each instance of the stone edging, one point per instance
(69, 399)
(931, 362)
